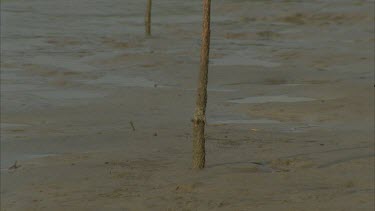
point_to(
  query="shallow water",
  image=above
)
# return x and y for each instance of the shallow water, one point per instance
(6, 88)
(244, 121)
(7, 126)
(233, 60)
(215, 89)
(123, 81)
(272, 99)
(234, 118)
(68, 94)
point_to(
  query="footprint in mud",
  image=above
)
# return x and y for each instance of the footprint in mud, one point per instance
(187, 188)
(290, 164)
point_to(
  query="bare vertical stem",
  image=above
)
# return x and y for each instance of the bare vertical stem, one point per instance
(148, 18)
(199, 120)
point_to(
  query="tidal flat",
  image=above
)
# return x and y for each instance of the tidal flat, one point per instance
(97, 116)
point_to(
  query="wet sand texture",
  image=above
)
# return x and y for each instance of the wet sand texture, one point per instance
(98, 115)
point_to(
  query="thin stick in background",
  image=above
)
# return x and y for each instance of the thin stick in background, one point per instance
(148, 18)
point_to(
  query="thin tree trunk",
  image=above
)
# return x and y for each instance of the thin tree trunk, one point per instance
(199, 119)
(148, 18)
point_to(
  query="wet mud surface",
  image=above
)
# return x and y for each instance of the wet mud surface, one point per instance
(290, 113)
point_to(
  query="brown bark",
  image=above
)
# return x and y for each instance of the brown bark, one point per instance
(199, 120)
(148, 18)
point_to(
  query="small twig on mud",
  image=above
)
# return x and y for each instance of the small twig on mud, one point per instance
(132, 125)
(14, 166)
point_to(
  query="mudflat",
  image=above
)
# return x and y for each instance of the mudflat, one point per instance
(98, 116)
